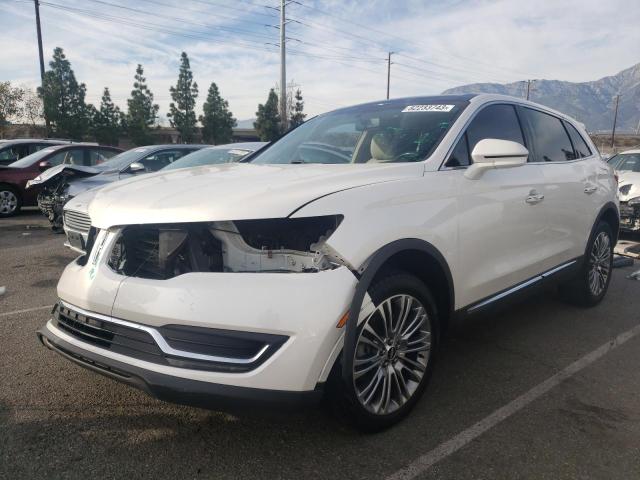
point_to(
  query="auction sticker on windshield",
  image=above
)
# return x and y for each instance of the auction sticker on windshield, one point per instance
(428, 108)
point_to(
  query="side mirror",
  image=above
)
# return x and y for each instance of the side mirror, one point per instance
(492, 153)
(136, 167)
(44, 165)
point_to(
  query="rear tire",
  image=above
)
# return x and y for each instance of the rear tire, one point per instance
(590, 285)
(392, 369)
(10, 201)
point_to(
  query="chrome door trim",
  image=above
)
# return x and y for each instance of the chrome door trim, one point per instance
(520, 286)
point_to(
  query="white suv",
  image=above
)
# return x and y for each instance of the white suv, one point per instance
(332, 262)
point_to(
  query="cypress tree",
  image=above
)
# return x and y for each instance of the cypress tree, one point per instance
(217, 121)
(267, 122)
(142, 112)
(182, 113)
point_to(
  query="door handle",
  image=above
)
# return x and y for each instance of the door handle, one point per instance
(589, 189)
(534, 197)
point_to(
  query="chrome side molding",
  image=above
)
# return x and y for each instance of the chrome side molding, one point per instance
(520, 286)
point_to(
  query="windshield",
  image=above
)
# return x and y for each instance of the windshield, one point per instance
(33, 158)
(627, 162)
(209, 156)
(372, 133)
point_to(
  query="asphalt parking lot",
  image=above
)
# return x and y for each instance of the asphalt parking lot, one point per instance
(491, 411)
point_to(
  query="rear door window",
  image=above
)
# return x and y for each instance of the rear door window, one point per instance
(74, 156)
(100, 155)
(579, 145)
(495, 121)
(550, 139)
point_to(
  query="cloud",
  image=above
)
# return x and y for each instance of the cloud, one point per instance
(336, 61)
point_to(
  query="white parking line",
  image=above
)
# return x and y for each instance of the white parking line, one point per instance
(25, 310)
(424, 462)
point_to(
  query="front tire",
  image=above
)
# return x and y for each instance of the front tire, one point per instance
(590, 286)
(10, 202)
(393, 356)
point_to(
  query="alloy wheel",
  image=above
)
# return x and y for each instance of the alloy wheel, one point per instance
(599, 263)
(8, 202)
(392, 354)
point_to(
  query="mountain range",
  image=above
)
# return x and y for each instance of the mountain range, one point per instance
(592, 103)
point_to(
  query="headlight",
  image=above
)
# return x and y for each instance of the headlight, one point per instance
(288, 245)
(634, 201)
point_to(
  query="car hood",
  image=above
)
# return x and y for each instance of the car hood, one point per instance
(80, 185)
(232, 191)
(54, 173)
(628, 182)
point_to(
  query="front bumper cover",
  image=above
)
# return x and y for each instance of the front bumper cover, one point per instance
(182, 390)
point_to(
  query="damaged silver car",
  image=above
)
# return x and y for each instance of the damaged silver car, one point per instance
(627, 167)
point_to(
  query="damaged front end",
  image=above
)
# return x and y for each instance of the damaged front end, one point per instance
(287, 245)
(51, 200)
(54, 190)
(630, 215)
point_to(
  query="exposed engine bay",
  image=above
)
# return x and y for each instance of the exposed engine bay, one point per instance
(51, 201)
(270, 245)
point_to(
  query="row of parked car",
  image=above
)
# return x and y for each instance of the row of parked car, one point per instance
(49, 173)
(330, 262)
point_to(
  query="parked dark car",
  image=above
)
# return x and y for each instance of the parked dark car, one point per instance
(14, 177)
(15, 149)
(60, 184)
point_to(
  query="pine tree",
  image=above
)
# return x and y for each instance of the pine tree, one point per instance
(63, 99)
(296, 116)
(142, 112)
(267, 122)
(217, 121)
(108, 121)
(182, 113)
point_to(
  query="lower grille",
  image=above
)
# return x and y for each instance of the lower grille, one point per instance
(181, 346)
(117, 338)
(78, 221)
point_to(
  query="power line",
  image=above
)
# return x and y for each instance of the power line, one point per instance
(182, 20)
(368, 28)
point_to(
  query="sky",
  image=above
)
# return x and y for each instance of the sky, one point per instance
(337, 49)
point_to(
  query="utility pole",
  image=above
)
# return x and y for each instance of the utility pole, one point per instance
(283, 68)
(638, 128)
(39, 31)
(528, 88)
(615, 120)
(389, 72)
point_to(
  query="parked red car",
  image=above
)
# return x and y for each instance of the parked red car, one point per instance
(14, 177)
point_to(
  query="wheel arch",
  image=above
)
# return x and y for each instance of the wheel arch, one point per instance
(608, 213)
(415, 256)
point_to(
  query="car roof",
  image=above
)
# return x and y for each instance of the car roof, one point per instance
(18, 141)
(253, 146)
(426, 99)
(633, 150)
(173, 145)
(76, 145)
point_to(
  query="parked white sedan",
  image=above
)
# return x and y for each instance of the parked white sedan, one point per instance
(332, 263)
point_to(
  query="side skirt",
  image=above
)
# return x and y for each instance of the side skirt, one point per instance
(523, 290)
